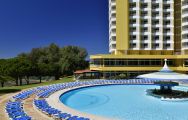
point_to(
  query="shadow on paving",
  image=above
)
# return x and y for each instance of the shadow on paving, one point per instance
(6, 91)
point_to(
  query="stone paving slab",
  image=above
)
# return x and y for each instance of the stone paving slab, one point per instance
(3, 100)
(31, 111)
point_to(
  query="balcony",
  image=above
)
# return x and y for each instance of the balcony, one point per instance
(168, 18)
(134, 33)
(113, 3)
(134, 9)
(112, 34)
(145, 9)
(184, 40)
(157, 17)
(134, 25)
(112, 42)
(184, 45)
(184, 31)
(145, 33)
(168, 10)
(134, 17)
(168, 1)
(157, 33)
(185, 14)
(134, 41)
(145, 17)
(168, 26)
(157, 25)
(184, 6)
(157, 9)
(112, 19)
(145, 25)
(168, 34)
(168, 41)
(155, 1)
(145, 41)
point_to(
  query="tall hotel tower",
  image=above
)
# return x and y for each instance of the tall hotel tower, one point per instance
(142, 33)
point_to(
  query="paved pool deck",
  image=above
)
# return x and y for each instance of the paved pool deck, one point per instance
(53, 101)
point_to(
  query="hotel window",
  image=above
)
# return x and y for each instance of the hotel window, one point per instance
(167, 38)
(113, 7)
(144, 5)
(97, 62)
(121, 62)
(166, 46)
(166, 6)
(166, 15)
(133, 37)
(156, 6)
(170, 62)
(113, 30)
(156, 37)
(145, 37)
(113, 38)
(133, 21)
(144, 29)
(144, 62)
(131, 62)
(155, 45)
(133, 29)
(156, 62)
(185, 2)
(185, 27)
(186, 62)
(144, 22)
(155, 14)
(113, 22)
(185, 44)
(156, 22)
(144, 45)
(133, 5)
(113, 15)
(185, 36)
(184, 11)
(167, 22)
(156, 30)
(144, 13)
(132, 45)
(113, 46)
(132, 13)
(167, 30)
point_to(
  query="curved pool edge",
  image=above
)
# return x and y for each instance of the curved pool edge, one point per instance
(56, 103)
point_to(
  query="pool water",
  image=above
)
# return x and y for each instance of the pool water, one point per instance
(125, 102)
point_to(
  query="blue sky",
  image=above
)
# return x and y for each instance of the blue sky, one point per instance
(25, 24)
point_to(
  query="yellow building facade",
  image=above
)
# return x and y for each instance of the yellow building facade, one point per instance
(142, 33)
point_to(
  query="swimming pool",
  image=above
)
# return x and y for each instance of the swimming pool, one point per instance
(125, 102)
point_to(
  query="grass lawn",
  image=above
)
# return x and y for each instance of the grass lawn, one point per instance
(13, 89)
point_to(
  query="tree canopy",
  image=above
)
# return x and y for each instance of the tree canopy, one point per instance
(51, 60)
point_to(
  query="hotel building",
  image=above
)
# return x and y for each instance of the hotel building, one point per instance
(142, 33)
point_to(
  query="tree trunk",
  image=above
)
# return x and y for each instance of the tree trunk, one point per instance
(20, 81)
(17, 81)
(27, 80)
(2, 84)
(57, 77)
(40, 78)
